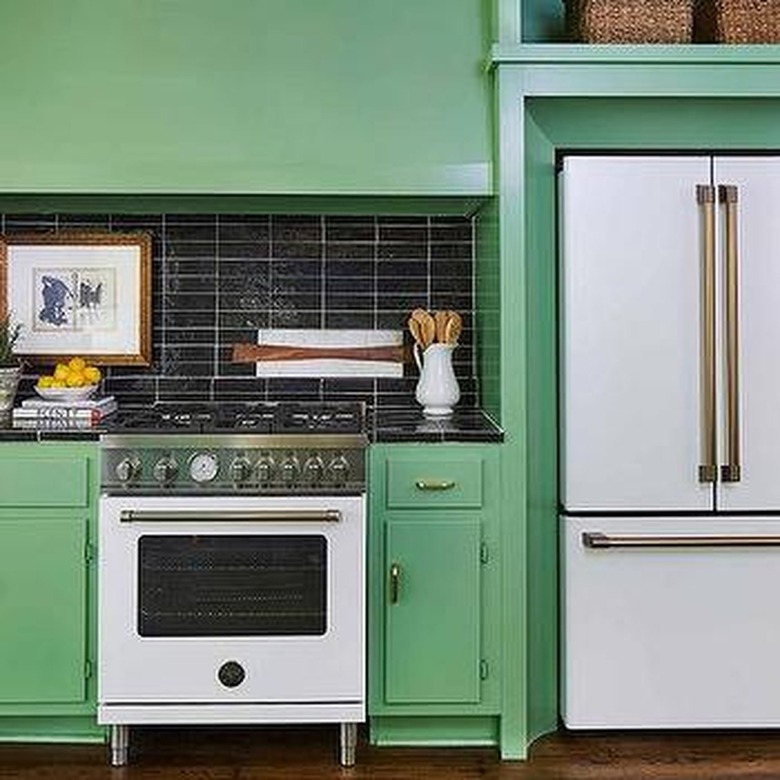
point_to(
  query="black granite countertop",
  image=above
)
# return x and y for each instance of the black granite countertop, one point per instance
(383, 425)
(7, 433)
(410, 425)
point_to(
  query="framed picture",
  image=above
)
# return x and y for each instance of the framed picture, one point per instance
(85, 294)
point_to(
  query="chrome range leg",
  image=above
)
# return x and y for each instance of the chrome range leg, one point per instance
(348, 744)
(120, 740)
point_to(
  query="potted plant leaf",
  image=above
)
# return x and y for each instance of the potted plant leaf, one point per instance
(10, 365)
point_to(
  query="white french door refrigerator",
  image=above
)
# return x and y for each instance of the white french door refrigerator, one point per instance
(670, 441)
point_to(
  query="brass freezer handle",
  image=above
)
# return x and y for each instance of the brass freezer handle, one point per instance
(435, 484)
(395, 582)
(708, 468)
(598, 541)
(731, 471)
(248, 516)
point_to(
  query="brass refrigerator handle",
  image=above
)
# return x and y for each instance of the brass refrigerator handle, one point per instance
(595, 540)
(395, 581)
(708, 468)
(731, 471)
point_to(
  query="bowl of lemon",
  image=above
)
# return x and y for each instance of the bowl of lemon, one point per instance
(75, 380)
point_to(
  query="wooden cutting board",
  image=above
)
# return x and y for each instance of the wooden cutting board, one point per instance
(325, 353)
(251, 353)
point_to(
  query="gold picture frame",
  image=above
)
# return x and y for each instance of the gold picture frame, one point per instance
(79, 293)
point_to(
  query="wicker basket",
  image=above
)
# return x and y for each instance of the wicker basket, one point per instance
(738, 21)
(630, 21)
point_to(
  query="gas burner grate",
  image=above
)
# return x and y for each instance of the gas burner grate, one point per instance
(343, 418)
(264, 418)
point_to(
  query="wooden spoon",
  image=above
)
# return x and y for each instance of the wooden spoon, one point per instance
(454, 328)
(427, 327)
(415, 330)
(441, 318)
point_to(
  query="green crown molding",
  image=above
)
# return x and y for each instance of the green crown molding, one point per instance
(571, 70)
(634, 54)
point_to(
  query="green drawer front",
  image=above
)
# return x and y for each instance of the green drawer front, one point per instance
(42, 482)
(435, 483)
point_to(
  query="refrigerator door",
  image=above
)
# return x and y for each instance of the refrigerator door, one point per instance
(631, 352)
(757, 182)
(679, 636)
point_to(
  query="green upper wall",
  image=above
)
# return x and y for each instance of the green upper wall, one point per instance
(245, 96)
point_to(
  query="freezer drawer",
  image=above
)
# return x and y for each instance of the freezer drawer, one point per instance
(670, 622)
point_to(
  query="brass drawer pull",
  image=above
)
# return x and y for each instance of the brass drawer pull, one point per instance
(395, 581)
(435, 484)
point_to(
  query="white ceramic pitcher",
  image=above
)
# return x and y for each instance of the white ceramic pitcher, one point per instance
(437, 390)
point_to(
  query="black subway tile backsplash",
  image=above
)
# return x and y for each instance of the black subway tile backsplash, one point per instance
(350, 229)
(240, 389)
(218, 278)
(356, 320)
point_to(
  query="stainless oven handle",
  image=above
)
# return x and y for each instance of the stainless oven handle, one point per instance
(243, 516)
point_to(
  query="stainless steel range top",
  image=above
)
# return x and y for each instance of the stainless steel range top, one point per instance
(233, 449)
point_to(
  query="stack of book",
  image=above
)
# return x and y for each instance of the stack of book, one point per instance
(40, 413)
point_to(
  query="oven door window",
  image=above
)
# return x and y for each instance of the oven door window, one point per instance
(232, 585)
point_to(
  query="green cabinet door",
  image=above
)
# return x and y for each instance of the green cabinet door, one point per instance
(432, 615)
(43, 601)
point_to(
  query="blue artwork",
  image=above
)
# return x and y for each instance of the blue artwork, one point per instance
(74, 299)
(55, 294)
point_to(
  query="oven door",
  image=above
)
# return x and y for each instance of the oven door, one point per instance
(214, 600)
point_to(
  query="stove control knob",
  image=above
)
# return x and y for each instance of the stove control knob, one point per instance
(240, 469)
(290, 469)
(338, 469)
(313, 468)
(128, 469)
(165, 470)
(265, 468)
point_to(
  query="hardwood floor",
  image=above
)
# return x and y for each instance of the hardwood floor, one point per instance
(309, 753)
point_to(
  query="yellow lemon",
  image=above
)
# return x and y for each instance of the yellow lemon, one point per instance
(61, 371)
(45, 381)
(77, 364)
(92, 374)
(58, 383)
(74, 379)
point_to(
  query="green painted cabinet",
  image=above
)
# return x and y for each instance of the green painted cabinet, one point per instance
(48, 498)
(434, 564)
(43, 601)
(432, 631)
